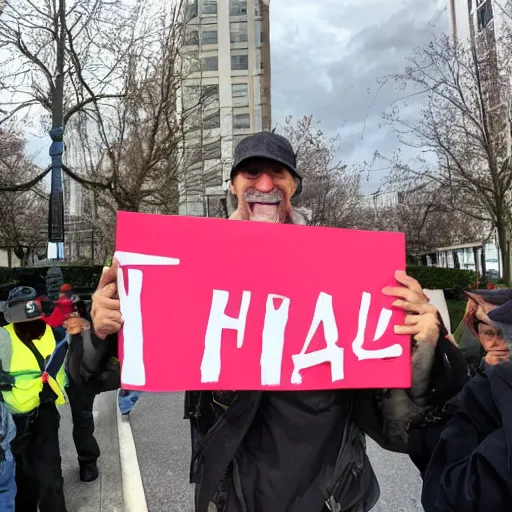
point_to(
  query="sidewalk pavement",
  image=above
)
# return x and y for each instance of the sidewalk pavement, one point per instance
(163, 451)
(106, 493)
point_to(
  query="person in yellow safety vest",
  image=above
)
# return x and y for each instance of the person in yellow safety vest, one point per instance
(29, 353)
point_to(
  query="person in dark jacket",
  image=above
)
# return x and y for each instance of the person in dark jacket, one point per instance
(295, 451)
(470, 469)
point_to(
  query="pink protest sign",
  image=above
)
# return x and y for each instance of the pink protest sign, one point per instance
(233, 305)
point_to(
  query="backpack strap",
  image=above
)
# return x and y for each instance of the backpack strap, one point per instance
(39, 358)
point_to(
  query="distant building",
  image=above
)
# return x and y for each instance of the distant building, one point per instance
(388, 199)
(472, 256)
(483, 25)
(79, 234)
(227, 63)
(471, 18)
(9, 259)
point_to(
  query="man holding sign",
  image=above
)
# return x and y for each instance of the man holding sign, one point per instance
(280, 450)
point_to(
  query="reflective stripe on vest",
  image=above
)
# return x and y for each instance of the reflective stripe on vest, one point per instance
(24, 396)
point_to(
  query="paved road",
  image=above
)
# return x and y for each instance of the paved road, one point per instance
(105, 494)
(163, 448)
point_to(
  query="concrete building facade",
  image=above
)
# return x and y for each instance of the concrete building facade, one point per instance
(226, 69)
(469, 18)
(484, 26)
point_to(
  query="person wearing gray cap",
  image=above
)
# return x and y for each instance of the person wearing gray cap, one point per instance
(34, 360)
(297, 451)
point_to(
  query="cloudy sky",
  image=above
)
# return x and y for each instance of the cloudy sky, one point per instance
(327, 56)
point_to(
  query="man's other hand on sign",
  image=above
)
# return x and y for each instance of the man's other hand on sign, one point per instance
(299, 451)
(422, 320)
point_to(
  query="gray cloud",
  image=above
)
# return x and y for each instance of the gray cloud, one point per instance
(328, 55)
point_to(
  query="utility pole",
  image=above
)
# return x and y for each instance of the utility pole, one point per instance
(56, 206)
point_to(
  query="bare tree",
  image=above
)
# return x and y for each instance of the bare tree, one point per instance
(131, 153)
(111, 74)
(22, 213)
(62, 55)
(465, 124)
(421, 214)
(331, 190)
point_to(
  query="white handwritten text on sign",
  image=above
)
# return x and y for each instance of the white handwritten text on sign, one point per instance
(190, 325)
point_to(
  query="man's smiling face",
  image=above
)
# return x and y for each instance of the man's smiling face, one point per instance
(264, 190)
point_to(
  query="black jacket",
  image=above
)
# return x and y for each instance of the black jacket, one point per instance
(325, 430)
(471, 466)
(221, 423)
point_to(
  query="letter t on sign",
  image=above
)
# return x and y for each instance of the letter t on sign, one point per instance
(133, 371)
(217, 322)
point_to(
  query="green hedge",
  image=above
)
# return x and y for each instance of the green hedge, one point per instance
(435, 278)
(87, 277)
(81, 277)
(456, 308)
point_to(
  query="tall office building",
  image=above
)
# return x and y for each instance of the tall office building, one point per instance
(226, 84)
(472, 18)
(482, 26)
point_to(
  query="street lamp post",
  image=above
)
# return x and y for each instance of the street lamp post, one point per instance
(56, 206)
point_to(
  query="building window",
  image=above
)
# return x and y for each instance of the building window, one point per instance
(241, 122)
(211, 95)
(190, 96)
(208, 6)
(192, 37)
(212, 121)
(238, 7)
(210, 37)
(210, 64)
(190, 65)
(484, 14)
(239, 62)
(191, 10)
(259, 35)
(259, 62)
(210, 102)
(212, 151)
(238, 32)
(240, 94)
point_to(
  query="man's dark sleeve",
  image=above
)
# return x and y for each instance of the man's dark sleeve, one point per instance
(387, 415)
(470, 468)
(93, 360)
(448, 376)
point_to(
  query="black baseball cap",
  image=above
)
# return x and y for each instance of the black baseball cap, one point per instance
(270, 146)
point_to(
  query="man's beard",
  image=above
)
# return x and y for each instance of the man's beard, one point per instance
(264, 207)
